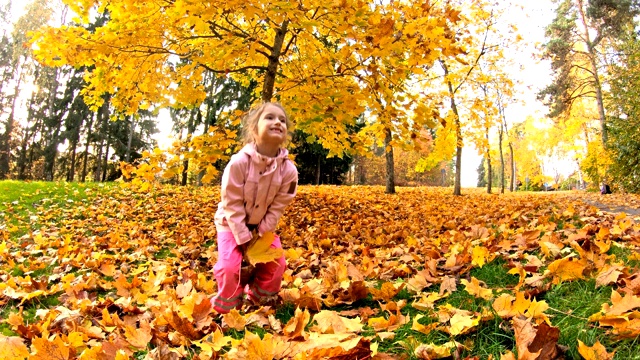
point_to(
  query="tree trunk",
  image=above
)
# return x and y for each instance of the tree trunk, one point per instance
(22, 160)
(500, 133)
(489, 169)
(72, 166)
(512, 186)
(190, 130)
(5, 139)
(274, 61)
(83, 177)
(50, 154)
(318, 170)
(130, 140)
(103, 129)
(594, 69)
(106, 155)
(75, 138)
(388, 153)
(454, 108)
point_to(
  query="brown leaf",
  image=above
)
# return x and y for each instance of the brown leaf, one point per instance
(536, 343)
(448, 285)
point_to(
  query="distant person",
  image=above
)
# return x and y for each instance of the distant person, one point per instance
(257, 185)
(605, 189)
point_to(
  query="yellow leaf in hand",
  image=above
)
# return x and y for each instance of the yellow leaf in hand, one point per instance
(261, 251)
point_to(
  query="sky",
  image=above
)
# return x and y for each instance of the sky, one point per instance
(531, 18)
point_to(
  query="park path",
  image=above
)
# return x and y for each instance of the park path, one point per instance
(612, 203)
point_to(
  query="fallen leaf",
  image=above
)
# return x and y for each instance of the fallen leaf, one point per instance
(595, 352)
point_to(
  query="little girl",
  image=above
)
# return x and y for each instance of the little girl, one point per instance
(257, 185)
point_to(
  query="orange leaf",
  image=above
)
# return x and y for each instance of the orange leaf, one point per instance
(620, 305)
(138, 337)
(295, 326)
(234, 320)
(567, 269)
(595, 352)
(475, 288)
(387, 291)
(329, 322)
(47, 349)
(12, 347)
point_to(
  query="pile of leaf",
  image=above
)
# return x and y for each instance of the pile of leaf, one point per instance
(369, 275)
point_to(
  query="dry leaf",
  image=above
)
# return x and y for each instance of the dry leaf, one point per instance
(261, 251)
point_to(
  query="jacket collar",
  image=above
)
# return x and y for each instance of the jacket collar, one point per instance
(252, 152)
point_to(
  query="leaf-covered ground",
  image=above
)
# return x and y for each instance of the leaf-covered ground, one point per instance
(421, 274)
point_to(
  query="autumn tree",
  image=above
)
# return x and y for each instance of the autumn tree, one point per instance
(328, 62)
(624, 117)
(579, 38)
(462, 77)
(530, 151)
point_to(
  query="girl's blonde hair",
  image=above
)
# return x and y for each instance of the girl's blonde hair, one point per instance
(251, 118)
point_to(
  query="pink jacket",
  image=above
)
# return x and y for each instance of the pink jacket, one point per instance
(255, 190)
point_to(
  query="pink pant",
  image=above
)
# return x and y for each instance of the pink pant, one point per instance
(266, 281)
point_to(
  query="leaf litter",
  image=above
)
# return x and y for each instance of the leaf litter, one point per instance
(131, 276)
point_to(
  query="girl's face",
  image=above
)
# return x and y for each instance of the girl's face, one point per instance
(272, 126)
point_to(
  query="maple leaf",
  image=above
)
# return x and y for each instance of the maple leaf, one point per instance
(595, 352)
(295, 326)
(50, 349)
(425, 329)
(433, 351)
(418, 282)
(254, 348)
(462, 324)
(427, 301)
(620, 305)
(234, 320)
(535, 342)
(448, 285)
(260, 251)
(329, 322)
(567, 269)
(138, 337)
(609, 274)
(387, 291)
(12, 347)
(480, 254)
(475, 288)
(212, 343)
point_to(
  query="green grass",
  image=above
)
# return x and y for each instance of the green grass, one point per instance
(495, 274)
(21, 203)
(571, 305)
(622, 254)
